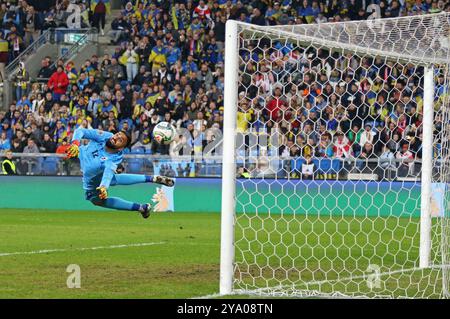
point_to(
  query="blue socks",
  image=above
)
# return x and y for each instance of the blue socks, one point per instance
(120, 204)
(130, 179)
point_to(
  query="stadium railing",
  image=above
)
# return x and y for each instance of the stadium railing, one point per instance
(211, 166)
(78, 38)
(45, 37)
(68, 43)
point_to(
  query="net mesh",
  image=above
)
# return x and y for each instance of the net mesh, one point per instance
(329, 149)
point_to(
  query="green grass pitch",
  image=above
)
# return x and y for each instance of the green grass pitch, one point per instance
(184, 263)
(176, 255)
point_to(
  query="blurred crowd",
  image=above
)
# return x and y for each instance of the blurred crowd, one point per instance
(169, 66)
(22, 21)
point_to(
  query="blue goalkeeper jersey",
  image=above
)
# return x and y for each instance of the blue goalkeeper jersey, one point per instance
(97, 165)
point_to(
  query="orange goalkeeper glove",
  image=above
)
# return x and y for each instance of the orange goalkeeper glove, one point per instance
(102, 192)
(73, 150)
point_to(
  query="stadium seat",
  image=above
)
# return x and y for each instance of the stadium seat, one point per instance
(216, 170)
(254, 151)
(50, 166)
(325, 165)
(135, 165)
(316, 163)
(138, 150)
(336, 165)
(297, 164)
(240, 152)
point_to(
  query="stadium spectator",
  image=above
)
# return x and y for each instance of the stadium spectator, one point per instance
(202, 11)
(47, 145)
(31, 147)
(67, 163)
(113, 73)
(387, 164)
(241, 173)
(4, 55)
(367, 153)
(99, 16)
(257, 18)
(342, 147)
(406, 166)
(367, 136)
(16, 43)
(21, 81)
(8, 164)
(120, 29)
(33, 25)
(5, 143)
(31, 163)
(308, 168)
(131, 59)
(62, 148)
(58, 83)
(45, 72)
(157, 56)
(5, 128)
(17, 146)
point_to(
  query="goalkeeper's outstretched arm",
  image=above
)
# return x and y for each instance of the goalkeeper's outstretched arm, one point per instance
(89, 134)
(108, 174)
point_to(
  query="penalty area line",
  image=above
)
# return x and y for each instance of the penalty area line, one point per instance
(45, 251)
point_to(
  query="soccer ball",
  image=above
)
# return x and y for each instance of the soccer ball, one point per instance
(164, 133)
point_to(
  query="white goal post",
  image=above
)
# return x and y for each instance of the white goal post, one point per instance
(229, 161)
(336, 159)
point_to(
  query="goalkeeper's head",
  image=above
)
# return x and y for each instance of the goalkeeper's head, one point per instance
(119, 141)
(128, 135)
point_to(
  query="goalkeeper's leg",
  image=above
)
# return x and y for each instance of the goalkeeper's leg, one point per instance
(130, 179)
(119, 204)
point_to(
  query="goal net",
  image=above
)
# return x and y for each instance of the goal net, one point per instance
(336, 159)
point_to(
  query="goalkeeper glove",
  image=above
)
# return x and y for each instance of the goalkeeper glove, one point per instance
(73, 149)
(102, 192)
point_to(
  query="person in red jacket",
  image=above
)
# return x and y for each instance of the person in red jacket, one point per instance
(275, 105)
(58, 83)
(202, 11)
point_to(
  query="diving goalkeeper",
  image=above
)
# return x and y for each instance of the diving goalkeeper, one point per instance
(99, 161)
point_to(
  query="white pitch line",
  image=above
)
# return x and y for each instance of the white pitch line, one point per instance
(44, 251)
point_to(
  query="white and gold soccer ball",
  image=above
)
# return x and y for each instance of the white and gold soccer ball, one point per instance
(164, 133)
